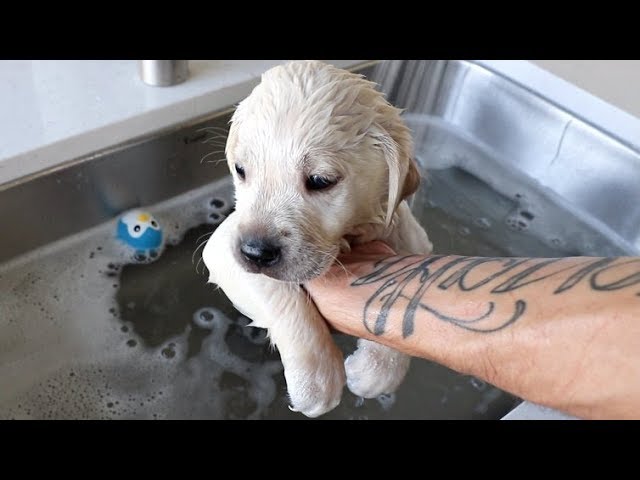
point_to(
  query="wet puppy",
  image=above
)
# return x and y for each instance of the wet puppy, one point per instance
(318, 156)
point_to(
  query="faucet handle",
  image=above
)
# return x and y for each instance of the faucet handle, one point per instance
(163, 73)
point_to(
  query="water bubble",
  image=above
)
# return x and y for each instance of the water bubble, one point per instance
(257, 336)
(463, 231)
(168, 352)
(360, 417)
(204, 317)
(517, 224)
(482, 223)
(478, 384)
(386, 400)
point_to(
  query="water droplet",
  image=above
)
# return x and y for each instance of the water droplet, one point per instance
(168, 352)
(386, 400)
(516, 223)
(482, 222)
(463, 231)
(478, 384)
(203, 318)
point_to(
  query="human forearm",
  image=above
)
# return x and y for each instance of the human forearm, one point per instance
(556, 331)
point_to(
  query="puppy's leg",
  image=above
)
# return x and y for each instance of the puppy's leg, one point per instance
(374, 369)
(313, 364)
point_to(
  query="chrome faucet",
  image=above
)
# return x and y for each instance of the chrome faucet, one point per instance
(163, 73)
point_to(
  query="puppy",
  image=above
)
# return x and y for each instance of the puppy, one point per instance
(318, 156)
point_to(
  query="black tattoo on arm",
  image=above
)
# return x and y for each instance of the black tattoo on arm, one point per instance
(410, 281)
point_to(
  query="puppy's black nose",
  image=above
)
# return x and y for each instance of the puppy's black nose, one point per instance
(260, 251)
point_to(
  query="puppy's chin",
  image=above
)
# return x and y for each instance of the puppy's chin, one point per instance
(296, 274)
(297, 270)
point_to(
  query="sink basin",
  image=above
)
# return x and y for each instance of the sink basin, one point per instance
(84, 334)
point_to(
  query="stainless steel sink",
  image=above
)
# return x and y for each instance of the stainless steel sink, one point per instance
(83, 336)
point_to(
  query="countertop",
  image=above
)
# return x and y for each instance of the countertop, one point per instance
(615, 81)
(53, 111)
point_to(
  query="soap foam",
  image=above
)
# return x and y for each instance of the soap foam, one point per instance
(64, 353)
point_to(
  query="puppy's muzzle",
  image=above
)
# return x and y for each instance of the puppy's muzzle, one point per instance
(260, 252)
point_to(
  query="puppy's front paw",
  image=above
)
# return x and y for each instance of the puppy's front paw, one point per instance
(374, 369)
(315, 383)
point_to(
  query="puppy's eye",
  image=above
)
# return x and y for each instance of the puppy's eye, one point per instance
(318, 182)
(136, 228)
(240, 171)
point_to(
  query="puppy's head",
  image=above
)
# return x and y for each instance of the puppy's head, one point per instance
(315, 151)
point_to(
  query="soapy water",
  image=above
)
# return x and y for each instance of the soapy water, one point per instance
(502, 205)
(89, 331)
(60, 321)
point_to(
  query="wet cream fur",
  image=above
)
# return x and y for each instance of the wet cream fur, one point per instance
(309, 118)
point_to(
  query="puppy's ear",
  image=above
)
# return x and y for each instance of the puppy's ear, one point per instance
(232, 137)
(404, 178)
(411, 180)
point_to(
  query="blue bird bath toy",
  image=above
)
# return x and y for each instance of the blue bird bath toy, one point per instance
(140, 231)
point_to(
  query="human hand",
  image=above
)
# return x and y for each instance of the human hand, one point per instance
(339, 304)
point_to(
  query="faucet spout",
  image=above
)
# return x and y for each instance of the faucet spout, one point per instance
(163, 73)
